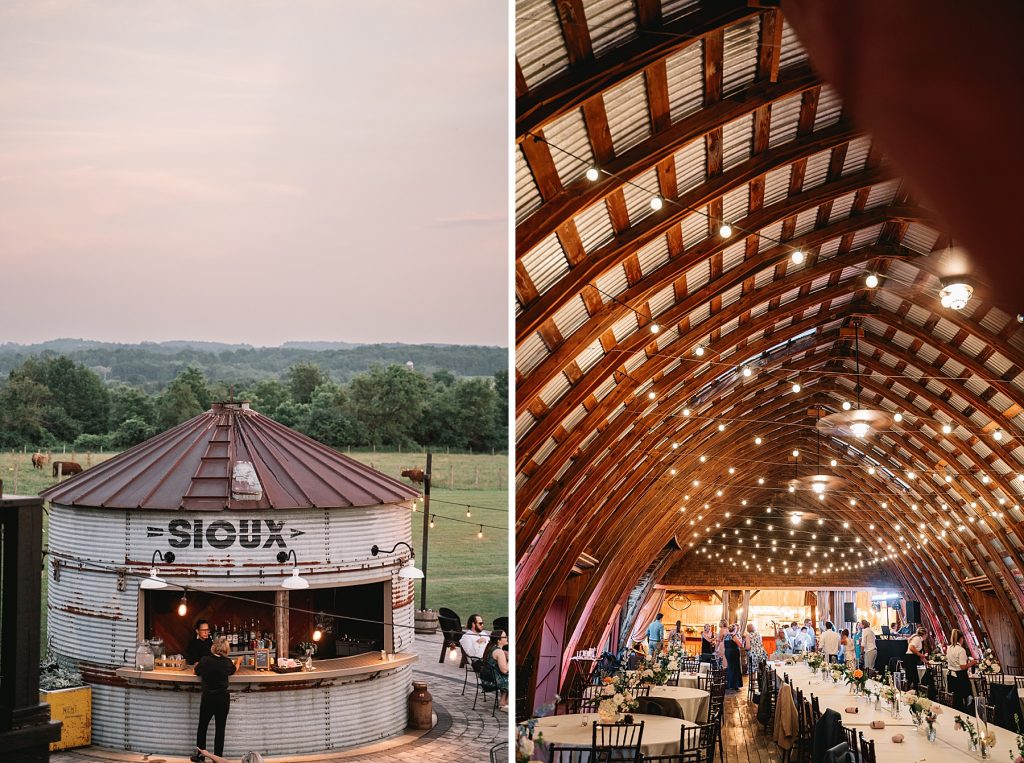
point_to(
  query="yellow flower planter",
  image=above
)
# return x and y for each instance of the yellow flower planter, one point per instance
(73, 707)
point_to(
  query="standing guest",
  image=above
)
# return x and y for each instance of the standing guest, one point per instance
(792, 632)
(475, 638)
(723, 631)
(656, 634)
(498, 660)
(249, 757)
(830, 642)
(914, 657)
(804, 640)
(849, 654)
(753, 644)
(856, 644)
(731, 649)
(200, 644)
(677, 636)
(958, 664)
(213, 670)
(812, 634)
(707, 644)
(868, 645)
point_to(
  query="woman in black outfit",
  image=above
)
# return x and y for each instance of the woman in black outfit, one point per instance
(214, 670)
(733, 672)
(707, 644)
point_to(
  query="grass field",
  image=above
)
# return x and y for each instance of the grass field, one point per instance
(464, 573)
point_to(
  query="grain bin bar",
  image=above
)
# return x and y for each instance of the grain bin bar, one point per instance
(226, 493)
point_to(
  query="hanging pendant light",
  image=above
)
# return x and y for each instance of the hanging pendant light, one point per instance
(858, 422)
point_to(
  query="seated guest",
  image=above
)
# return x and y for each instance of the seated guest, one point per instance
(498, 660)
(829, 642)
(781, 645)
(474, 639)
(804, 641)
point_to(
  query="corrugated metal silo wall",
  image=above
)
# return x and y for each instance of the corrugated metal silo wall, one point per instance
(341, 716)
(92, 621)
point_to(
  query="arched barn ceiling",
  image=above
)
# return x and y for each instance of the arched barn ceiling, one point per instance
(627, 440)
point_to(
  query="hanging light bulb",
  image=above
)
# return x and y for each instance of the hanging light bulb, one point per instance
(317, 633)
(796, 387)
(651, 395)
(480, 533)
(183, 605)
(757, 441)
(721, 427)
(592, 174)
(453, 653)
(698, 350)
(846, 405)
(431, 521)
(997, 435)
(746, 371)
(725, 230)
(655, 328)
(468, 512)
(797, 256)
(946, 429)
(871, 281)
(955, 294)
(656, 203)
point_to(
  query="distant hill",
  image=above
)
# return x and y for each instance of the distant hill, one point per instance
(152, 365)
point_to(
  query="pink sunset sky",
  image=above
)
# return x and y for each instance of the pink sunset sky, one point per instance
(249, 171)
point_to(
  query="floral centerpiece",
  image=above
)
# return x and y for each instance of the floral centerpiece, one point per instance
(917, 705)
(1020, 741)
(930, 717)
(815, 660)
(529, 742)
(983, 737)
(989, 663)
(618, 695)
(837, 672)
(857, 678)
(937, 656)
(659, 671)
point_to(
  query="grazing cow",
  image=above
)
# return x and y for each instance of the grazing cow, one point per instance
(38, 459)
(66, 468)
(416, 475)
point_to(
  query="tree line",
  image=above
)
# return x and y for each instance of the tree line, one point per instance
(151, 367)
(48, 401)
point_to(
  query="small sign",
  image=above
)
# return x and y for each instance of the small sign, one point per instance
(262, 659)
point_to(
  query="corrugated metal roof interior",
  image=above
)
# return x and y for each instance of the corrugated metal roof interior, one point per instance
(652, 347)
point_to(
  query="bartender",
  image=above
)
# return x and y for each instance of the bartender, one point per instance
(200, 644)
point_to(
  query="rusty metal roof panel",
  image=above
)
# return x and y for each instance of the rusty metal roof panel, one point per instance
(629, 119)
(540, 47)
(229, 457)
(612, 23)
(574, 153)
(685, 71)
(527, 195)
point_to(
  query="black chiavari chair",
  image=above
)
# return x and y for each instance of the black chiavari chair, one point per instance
(560, 753)
(696, 745)
(851, 744)
(867, 750)
(623, 739)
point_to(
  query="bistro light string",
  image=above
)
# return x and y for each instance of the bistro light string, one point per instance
(99, 567)
(726, 229)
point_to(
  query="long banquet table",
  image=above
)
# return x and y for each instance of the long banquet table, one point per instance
(660, 737)
(950, 745)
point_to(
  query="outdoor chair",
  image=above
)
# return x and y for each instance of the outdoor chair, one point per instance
(451, 627)
(559, 753)
(500, 624)
(468, 667)
(499, 753)
(696, 745)
(623, 739)
(488, 684)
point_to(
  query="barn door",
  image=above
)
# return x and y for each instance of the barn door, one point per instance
(549, 666)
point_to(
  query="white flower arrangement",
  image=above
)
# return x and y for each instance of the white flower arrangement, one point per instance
(989, 664)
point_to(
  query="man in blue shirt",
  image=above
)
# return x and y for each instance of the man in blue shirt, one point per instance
(656, 634)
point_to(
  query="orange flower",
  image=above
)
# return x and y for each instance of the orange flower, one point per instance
(858, 674)
(608, 679)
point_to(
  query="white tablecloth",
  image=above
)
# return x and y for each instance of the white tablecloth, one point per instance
(950, 745)
(689, 680)
(661, 734)
(691, 703)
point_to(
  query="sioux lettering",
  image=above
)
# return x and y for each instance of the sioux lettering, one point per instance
(222, 533)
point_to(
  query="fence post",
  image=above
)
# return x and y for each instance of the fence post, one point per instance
(451, 476)
(15, 477)
(476, 477)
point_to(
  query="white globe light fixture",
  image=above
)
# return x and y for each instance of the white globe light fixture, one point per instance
(955, 293)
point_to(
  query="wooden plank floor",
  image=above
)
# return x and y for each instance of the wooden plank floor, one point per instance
(742, 737)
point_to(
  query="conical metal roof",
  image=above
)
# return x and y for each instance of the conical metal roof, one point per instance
(230, 457)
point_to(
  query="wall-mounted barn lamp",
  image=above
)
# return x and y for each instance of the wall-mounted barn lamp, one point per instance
(154, 581)
(293, 582)
(409, 570)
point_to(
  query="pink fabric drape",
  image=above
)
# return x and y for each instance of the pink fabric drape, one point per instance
(650, 608)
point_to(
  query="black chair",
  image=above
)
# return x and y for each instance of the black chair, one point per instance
(469, 667)
(488, 683)
(867, 750)
(500, 624)
(851, 744)
(622, 738)
(696, 745)
(560, 753)
(499, 753)
(451, 627)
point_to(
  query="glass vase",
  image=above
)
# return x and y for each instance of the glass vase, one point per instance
(972, 745)
(931, 733)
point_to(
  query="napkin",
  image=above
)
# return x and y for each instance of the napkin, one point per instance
(897, 738)
(853, 709)
(878, 724)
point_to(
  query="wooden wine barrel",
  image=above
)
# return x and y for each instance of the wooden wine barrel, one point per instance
(426, 621)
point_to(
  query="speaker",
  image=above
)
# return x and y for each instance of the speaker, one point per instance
(913, 611)
(849, 612)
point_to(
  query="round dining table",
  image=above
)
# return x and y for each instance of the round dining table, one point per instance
(682, 702)
(660, 736)
(689, 680)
